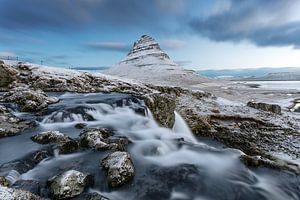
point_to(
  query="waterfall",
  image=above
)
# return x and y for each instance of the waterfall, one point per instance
(12, 177)
(181, 127)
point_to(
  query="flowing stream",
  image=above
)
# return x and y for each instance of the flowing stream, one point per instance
(169, 163)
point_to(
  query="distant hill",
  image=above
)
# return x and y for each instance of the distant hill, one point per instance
(280, 76)
(287, 73)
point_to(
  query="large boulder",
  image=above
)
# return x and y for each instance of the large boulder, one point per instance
(162, 107)
(95, 138)
(119, 168)
(65, 144)
(7, 74)
(69, 184)
(29, 100)
(10, 124)
(16, 194)
(274, 108)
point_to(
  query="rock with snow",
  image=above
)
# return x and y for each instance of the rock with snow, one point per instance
(146, 62)
(10, 124)
(274, 108)
(28, 99)
(119, 168)
(69, 184)
(3, 181)
(7, 74)
(16, 194)
(65, 144)
(117, 143)
(95, 138)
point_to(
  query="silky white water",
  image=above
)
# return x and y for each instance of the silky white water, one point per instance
(169, 163)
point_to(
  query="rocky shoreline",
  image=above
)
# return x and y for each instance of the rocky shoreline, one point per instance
(259, 134)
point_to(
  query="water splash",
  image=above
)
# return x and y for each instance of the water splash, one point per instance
(181, 127)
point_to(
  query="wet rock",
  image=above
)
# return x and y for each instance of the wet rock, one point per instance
(3, 181)
(26, 163)
(117, 143)
(28, 185)
(80, 125)
(161, 181)
(274, 108)
(49, 137)
(65, 144)
(119, 168)
(69, 184)
(162, 107)
(10, 124)
(15, 194)
(94, 196)
(29, 100)
(257, 161)
(95, 138)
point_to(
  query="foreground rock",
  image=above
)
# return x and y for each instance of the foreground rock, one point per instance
(254, 132)
(26, 163)
(162, 107)
(69, 184)
(274, 108)
(29, 100)
(95, 138)
(7, 74)
(15, 194)
(65, 144)
(119, 168)
(10, 124)
(3, 181)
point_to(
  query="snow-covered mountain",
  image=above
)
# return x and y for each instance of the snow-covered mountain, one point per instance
(146, 62)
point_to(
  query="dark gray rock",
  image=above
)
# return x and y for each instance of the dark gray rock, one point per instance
(117, 143)
(69, 184)
(119, 168)
(65, 144)
(28, 185)
(274, 108)
(94, 196)
(27, 162)
(80, 125)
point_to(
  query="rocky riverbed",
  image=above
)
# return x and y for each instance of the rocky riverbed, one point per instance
(69, 134)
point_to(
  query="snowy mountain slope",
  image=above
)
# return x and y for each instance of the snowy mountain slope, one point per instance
(148, 63)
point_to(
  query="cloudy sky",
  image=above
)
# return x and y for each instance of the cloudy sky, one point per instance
(199, 34)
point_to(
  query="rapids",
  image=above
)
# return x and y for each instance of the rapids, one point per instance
(169, 163)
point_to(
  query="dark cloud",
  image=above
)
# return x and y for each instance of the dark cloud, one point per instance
(110, 46)
(264, 23)
(63, 14)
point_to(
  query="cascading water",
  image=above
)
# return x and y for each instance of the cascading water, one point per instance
(170, 164)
